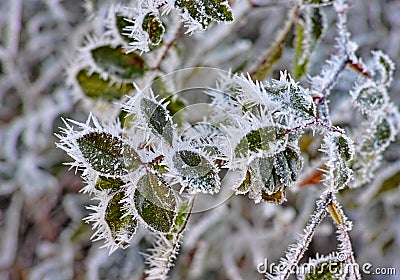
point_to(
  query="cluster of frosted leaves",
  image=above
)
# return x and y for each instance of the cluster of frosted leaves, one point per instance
(267, 178)
(118, 175)
(141, 27)
(340, 151)
(180, 160)
(264, 149)
(382, 119)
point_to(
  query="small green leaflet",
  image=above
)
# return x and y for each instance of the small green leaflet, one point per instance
(122, 226)
(309, 32)
(116, 62)
(107, 154)
(268, 140)
(370, 98)
(108, 183)
(158, 119)
(380, 136)
(93, 86)
(155, 203)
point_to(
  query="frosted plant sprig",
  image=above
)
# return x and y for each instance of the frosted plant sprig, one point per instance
(253, 133)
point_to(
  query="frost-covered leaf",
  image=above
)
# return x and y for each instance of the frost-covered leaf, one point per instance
(344, 147)
(267, 140)
(246, 184)
(121, 25)
(93, 86)
(109, 183)
(107, 154)
(154, 27)
(380, 136)
(201, 12)
(283, 168)
(197, 172)
(158, 119)
(115, 61)
(384, 68)
(370, 98)
(121, 224)
(295, 101)
(155, 203)
(340, 150)
(160, 258)
(308, 34)
(267, 178)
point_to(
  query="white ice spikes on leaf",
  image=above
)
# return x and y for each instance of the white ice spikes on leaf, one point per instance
(108, 154)
(155, 203)
(384, 68)
(339, 150)
(98, 148)
(196, 171)
(158, 118)
(267, 178)
(114, 61)
(111, 221)
(197, 14)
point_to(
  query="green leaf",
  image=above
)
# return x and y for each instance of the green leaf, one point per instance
(389, 184)
(272, 175)
(246, 184)
(218, 10)
(385, 68)
(154, 27)
(308, 35)
(108, 183)
(120, 224)
(293, 97)
(116, 62)
(94, 86)
(108, 154)
(379, 138)
(299, 65)
(344, 147)
(121, 25)
(158, 119)
(327, 270)
(197, 172)
(175, 104)
(194, 9)
(370, 98)
(269, 140)
(203, 11)
(155, 203)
